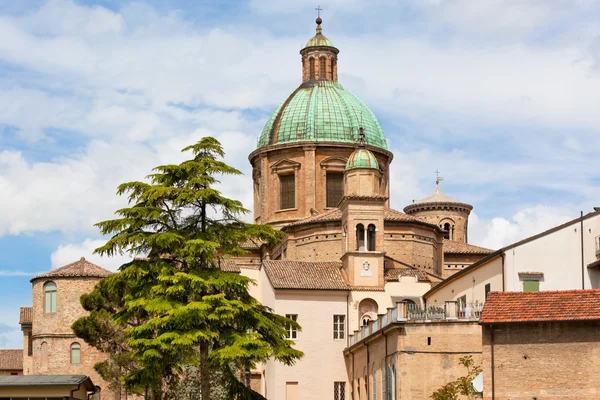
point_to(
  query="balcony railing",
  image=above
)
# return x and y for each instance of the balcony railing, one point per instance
(450, 311)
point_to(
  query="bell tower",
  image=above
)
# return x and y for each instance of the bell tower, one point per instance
(362, 219)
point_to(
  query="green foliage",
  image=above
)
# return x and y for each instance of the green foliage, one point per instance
(174, 308)
(461, 386)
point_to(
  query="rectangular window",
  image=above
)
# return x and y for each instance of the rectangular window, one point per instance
(292, 333)
(50, 302)
(488, 289)
(335, 188)
(339, 390)
(531, 286)
(287, 191)
(291, 391)
(339, 326)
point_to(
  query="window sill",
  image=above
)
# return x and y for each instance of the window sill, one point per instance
(286, 210)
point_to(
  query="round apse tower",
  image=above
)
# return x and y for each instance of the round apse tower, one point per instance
(298, 166)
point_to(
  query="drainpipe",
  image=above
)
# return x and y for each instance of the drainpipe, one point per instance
(492, 356)
(348, 319)
(582, 258)
(368, 362)
(385, 364)
(352, 383)
(503, 284)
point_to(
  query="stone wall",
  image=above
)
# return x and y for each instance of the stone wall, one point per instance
(422, 356)
(543, 361)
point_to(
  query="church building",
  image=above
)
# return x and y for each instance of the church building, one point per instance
(348, 265)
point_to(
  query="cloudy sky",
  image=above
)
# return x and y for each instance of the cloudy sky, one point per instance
(503, 96)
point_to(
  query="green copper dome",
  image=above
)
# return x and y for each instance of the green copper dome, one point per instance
(322, 111)
(362, 158)
(319, 40)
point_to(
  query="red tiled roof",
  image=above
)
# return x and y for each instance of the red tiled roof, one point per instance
(26, 315)
(392, 274)
(545, 306)
(11, 360)
(389, 214)
(78, 269)
(305, 275)
(451, 246)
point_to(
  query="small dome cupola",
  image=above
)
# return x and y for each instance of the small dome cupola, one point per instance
(361, 157)
(451, 215)
(319, 57)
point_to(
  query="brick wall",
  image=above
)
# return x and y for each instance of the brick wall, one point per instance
(55, 330)
(543, 361)
(425, 356)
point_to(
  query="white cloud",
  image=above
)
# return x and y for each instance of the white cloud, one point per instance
(499, 232)
(68, 253)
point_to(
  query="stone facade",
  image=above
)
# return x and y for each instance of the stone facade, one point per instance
(413, 359)
(542, 360)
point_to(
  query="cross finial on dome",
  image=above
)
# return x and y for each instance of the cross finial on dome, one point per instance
(361, 137)
(319, 21)
(438, 178)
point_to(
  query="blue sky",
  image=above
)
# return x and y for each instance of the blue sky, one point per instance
(501, 95)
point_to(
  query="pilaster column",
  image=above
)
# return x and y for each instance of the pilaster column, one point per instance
(310, 179)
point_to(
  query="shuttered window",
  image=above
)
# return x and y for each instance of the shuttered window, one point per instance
(288, 191)
(531, 286)
(335, 189)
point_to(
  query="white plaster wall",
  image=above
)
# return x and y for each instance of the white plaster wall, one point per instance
(254, 274)
(558, 256)
(407, 286)
(323, 361)
(472, 284)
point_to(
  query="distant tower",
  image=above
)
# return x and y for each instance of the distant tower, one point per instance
(449, 214)
(50, 346)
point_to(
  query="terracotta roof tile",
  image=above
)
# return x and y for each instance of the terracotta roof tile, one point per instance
(453, 247)
(392, 274)
(335, 214)
(545, 306)
(305, 275)
(11, 360)
(78, 269)
(330, 215)
(228, 265)
(26, 315)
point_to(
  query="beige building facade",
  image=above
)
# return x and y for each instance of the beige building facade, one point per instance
(320, 174)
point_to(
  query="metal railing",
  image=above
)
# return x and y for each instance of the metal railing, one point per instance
(404, 312)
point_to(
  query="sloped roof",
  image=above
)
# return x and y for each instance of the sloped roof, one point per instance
(389, 214)
(26, 315)
(451, 246)
(228, 265)
(47, 380)
(11, 360)
(392, 274)
(544, 306)
(78, 269)
(305, 275)
(437, 198)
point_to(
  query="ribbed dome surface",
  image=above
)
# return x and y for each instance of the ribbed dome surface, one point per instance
(362, 158)
(322, 111)
(319, 40)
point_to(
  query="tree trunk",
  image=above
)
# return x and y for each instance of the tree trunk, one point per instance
(204, 371)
